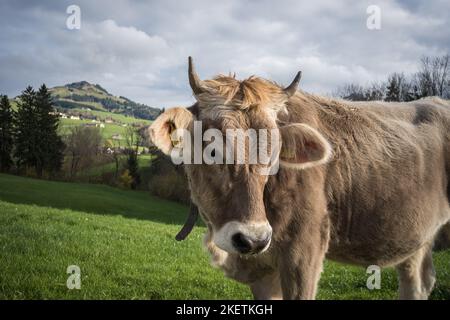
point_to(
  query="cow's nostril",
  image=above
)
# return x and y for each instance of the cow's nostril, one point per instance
(241, 243)
(260, 244)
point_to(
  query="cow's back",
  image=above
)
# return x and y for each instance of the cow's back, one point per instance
(416, 112)
(385, 182)
(426, 110)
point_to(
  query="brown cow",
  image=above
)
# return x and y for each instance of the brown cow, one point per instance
(361, 183)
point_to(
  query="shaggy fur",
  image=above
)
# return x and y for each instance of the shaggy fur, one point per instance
(379, 197)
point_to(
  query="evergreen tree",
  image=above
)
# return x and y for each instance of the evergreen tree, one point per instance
(133, 168)
(26, 131)
(51, 146)
(413, 93)
(133, 138)
(6, 134)
(393, 88)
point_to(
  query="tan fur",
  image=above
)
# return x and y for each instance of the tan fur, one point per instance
(416, 275)
(162, 128)
(379, 199)
(224, 93)
(303, 147)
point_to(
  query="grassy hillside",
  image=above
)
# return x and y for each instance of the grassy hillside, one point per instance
(82, 95)
(144, 162)
(92, 101)
(120, 118)
(123, 241)
(110, 130)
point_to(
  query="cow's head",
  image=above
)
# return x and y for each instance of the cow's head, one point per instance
(229, 195)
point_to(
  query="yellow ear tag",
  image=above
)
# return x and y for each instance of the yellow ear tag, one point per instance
(287, 154)
(172, 128)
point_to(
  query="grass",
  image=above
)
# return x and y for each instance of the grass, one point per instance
(89, 90)
(123, 241)
(103, 115)
(107, 132)
(85, 104)
(97, 171)
(144, 161)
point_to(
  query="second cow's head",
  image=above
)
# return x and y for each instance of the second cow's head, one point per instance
(226, 183)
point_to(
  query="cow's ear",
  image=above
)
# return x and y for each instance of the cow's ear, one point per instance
(303, 147)
(162, 130)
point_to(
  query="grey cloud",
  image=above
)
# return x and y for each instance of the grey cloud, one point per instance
(139, 48)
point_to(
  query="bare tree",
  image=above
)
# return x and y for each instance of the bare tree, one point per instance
(352, 91)
(375, 92)
(114, 153)
(433, 76)
(83, 145)
(355, 92)
(133, 138)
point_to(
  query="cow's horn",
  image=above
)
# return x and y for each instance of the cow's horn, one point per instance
(189, 224)
(292, 88)
(194, 80)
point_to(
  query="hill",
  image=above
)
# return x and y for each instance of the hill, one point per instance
(85, 104)
(123, 242)
(84, 95)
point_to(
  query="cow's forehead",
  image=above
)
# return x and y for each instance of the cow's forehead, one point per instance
(225, 97)
(223, 117)
(226, 118)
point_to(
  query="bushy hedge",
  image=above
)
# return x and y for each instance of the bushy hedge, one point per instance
(167, 180)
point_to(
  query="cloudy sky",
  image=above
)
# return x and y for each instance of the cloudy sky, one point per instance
(139, 49)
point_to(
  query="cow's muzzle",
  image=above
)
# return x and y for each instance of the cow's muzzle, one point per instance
(244, 238)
